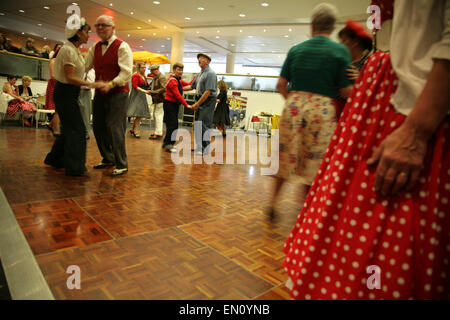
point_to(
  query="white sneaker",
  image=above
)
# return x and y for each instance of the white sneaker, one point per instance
(118, 172)
(173, 150)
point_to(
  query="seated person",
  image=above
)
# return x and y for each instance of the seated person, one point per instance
(24, 89)
(29, 48)
(17, 102)
(10, 47)
(45, 52)
(2, 42)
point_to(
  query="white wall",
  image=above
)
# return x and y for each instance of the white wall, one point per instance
(269, 102)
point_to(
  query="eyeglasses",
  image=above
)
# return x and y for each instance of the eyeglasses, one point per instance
(102, 25)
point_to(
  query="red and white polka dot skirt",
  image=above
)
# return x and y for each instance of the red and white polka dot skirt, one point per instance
(351, 243)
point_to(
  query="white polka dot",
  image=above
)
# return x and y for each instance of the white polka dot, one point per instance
(396, 294)
(405, 266)
(401, 281)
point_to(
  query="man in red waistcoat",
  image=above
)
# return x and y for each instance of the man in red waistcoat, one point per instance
(112, 61)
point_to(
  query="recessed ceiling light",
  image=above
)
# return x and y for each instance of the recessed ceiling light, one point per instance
(165, 27)
(110, 4)
(265, 4)
(47, 8)
(197, 32)
(240, 30)
(232, 44)
(163, 46)
(264, 30)
(21, 11)
(154, 33)
(201, 8)
(290, 30)
(250, 36)
(168, 38)
(139, 28)
(286, 36)
(141, 46)
(156, 2)
(217, 37)
(128, 35)
(218, 31)
(187, 18)
(143, 39)
(131, 12)
(2, 14)
(241, 15)
(45, 38)
(23, 32)
(263, 44)
(149, 20)
(40, 24)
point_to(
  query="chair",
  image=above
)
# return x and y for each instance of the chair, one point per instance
(40, 100)
(4, 98)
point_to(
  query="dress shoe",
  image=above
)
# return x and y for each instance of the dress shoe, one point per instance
(118, 172)
(103, 165)
(134, 134)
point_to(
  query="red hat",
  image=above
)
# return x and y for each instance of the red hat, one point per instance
(359, 30)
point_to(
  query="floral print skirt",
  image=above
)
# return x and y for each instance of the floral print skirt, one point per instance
(306, 127)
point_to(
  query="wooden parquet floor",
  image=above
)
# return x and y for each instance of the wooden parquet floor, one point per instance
(161, 231)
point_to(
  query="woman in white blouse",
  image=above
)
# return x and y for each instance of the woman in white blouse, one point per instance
(69, 149)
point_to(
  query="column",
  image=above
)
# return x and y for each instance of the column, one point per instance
(177, 48)
(230, 62)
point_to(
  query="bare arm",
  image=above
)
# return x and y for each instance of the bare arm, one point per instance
(282, 87)
(50, 67)
(400, 156)
(8, 89)
(202, 99)
(345, 92)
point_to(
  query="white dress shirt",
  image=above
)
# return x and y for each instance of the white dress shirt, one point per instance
(125, 61)
(68, 55)
(420, 33)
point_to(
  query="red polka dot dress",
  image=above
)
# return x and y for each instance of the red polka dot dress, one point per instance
(345, 229)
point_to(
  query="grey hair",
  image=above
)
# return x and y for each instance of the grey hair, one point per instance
(323, 18)
(106, 17)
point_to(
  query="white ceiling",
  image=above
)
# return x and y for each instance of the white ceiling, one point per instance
(262, 37)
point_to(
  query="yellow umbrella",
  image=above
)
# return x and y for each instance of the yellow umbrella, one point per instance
(150, 57)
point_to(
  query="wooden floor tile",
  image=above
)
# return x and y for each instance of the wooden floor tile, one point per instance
(249, 239)
(279, 293)
(165, 264)
(56, 225)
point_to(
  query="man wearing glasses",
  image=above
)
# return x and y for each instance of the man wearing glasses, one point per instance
(112, 61)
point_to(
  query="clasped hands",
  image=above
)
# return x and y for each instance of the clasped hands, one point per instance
(193, 106)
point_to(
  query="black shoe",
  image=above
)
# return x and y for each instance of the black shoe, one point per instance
(54, 164)
(83, 174)
(271, 214)
(103, 165)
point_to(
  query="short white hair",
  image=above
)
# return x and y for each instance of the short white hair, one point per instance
(107, 18)
(323, 17)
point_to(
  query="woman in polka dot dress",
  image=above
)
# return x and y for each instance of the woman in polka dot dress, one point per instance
(375, 222)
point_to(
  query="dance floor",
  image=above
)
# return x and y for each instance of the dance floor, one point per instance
(161, 231)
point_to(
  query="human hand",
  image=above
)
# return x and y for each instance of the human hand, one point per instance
(352, 73)
(104, 87)
(194, 106)
(400, 159)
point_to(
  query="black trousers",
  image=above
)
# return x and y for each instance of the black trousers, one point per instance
(171, 119)
(69, 149)
(109, 125)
